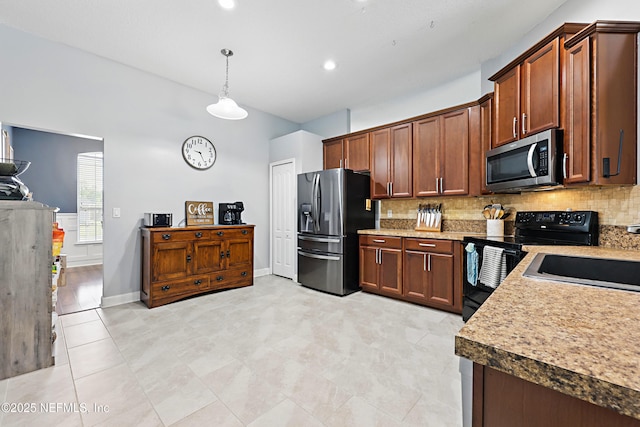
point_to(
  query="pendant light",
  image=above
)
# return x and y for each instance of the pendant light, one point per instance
(226, 108)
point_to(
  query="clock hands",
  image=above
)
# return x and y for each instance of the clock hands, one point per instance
(199, 152)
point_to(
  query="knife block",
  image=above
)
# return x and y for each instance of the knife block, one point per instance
(435, 224)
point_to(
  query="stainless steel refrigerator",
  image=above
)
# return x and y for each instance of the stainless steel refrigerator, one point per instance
(332, 207)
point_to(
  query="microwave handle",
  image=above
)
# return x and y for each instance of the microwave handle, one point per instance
(532, 170)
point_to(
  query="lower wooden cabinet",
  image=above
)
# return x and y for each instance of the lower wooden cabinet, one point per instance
(182, 262)
(502, 400)
(381, 264)
(423, 271)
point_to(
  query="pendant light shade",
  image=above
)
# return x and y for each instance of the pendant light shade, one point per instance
(226, 108)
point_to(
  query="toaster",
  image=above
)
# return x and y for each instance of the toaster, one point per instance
(158, 219)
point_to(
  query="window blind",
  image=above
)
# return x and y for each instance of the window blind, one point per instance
(90, 169)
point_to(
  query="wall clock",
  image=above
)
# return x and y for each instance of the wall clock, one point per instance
(199, 152)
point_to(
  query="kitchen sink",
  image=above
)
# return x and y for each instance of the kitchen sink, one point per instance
(603, 272)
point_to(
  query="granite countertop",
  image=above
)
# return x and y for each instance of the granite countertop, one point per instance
(445, 235)
(580, 340)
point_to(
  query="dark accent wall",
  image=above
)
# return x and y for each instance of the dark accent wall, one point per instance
(52, 174)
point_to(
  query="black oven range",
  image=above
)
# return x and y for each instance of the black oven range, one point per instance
(487, 260)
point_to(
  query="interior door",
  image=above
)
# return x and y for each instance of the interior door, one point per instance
(283, 219)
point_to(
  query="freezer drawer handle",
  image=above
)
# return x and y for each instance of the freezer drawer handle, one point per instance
(327, 257)
(319, 239)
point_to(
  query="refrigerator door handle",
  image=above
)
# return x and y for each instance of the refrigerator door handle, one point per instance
(315, 202)
(326, 257)
(318, 239)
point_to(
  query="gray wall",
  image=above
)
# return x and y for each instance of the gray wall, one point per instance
(143, 120)
(334, 124)
(51, 177)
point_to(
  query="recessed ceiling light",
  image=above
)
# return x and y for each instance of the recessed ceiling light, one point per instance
(227, 4)
(329, 65)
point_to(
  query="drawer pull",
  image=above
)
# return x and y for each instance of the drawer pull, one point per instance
(198, 234)
(165, 288)
(379, 241)
(244, 231)
(197, 282)
(219, 278)
(188, 258)
(166, 236)
(243, 274)
(220, 233)
(428, 245)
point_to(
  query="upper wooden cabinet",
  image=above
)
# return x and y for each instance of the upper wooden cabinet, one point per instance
(357, 152)
(601, 107)
(441, 154)
(352, 152)
(528, 90)
(391, 166)
(332, 154)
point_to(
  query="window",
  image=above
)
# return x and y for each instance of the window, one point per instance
(89, 197)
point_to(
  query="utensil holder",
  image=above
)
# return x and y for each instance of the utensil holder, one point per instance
(495, 228)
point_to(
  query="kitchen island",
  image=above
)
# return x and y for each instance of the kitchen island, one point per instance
(532, 336)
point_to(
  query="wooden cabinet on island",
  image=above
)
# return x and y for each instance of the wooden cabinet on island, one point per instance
(391, 162)
(182, 262)
(601, 129)
(351, 152)
(381, 264)
(529, 90)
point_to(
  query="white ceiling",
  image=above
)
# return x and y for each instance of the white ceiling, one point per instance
(383, 48)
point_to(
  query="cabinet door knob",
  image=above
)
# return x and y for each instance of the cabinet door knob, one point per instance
(228, 254)
(166, 236)
(165, 288)
(188, 258)
(220, 233)
(221, 254)
(219, 278)
(197, 282)
(198, 234)
(244, 231)
(243, 274)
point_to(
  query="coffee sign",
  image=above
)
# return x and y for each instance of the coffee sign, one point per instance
(198, 213)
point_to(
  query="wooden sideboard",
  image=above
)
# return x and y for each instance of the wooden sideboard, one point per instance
(183, 262)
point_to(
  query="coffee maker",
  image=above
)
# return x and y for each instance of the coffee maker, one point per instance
(229, 213)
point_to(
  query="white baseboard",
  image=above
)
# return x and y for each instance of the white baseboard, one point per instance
(120, 299)
(262, 272)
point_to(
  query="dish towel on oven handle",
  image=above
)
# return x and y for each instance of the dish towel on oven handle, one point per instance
(472, 264)
(494, 267)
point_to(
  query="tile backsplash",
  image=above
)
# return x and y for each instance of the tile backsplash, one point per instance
(617, 207)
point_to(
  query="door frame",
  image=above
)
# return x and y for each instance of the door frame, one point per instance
(294, 216)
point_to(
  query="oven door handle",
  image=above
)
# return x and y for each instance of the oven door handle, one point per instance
(532, 170)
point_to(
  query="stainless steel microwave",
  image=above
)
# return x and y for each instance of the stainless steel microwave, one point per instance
(525, 164)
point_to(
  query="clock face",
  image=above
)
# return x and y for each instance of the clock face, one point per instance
(199, 152)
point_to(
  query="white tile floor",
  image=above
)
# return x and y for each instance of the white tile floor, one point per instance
(274, 354)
